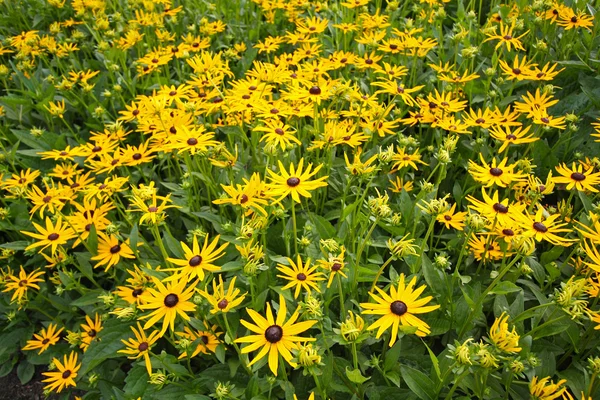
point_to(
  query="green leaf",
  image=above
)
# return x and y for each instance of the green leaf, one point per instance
(418, 382)
(324, 227)
(25, 372)
(107, 345)
(136, 381)
(435, 362)
(87, 299)
(392, 356)
(355, 376)
(133, 239)
(505, 287)
(92, 239)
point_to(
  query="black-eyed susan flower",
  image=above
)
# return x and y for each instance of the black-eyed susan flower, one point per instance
(46, 338)
(278, 132)
(451, 219)
(541, 228)
(196, 261)
(220, 300)
(498, 212)
(153, 212)
(576, 178)
(90, 329)
(110, 250)
(52, 235)
(503, 338)
(507, 37)
(546, 389)
(20, 284)
(275, 336)
(399, 308)
(519, 70)
(140, 346)
(66, 374)
(207, 339)
(168, 302)
(301, 275)
(297, 182)
(335, 265)
(496, 173)
(403, 159)
(485, 247)
(508, 136)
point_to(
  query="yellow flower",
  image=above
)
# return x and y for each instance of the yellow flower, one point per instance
(545, 389)
(140, 346)
(502, 337)
(297, 182)
(399, 308)
(577, 178)
(46, 338)
(221, 301)
(22, 282)
(300, 275)
(110, 250)
(53, 235)
(66, 374)
(196, 261)
(275, 336)
(167, 302)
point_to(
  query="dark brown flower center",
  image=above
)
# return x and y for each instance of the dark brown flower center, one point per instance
(495, 171)
(273, 334)
(398, 307)
(135, 112)
(301, 276)
(315, 90)
(368, 61)
(544, 120)
(508, 37)
(293, 181)
(171, 300)
(279, 131)
(223, 304)
(23, 282)
(53, 236)
(136, 156)
(447, 218)
(137, 292)
(66, 374)
(192, 141)
(336, 266)
(115, 249)
(204, 339)
(243, 199)
(195, 261)
(480, 121)
(540, 227)
(574, 19)
(47, 199)
(500, 208)
(152, 209)
(508, 232)
(92, 333)
(510, 136)
(143, 346)
(45, 341)
(578, 176)
(516, 71)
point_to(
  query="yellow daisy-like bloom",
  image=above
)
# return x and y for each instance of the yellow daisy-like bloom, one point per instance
(503, 338)
(196, 261)
(168, 301)
(53, 235)
(46, 338)
(66, 374)
(452, 220)
(497, 212)
(274, 336)
(508, 136)
(403, 159)
(541, 228)
(110, 250)
(297, 182)
(221, 301)
(593, 254)
(495, 173)
(140, 346)
(90, 331)
(399, 308)
(576, 178)
(300, 275)
(21, 283)
(335, 265)
(209, 340)
(545, 389)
